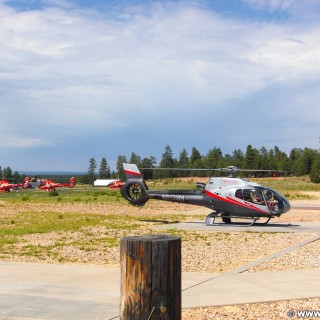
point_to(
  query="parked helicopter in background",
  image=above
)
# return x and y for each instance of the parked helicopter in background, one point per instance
(117, 184)
(49, 184)
(228, 197)
(6, 186)
(110, 183)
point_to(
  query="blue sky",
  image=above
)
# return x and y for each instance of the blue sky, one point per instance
(82, 79)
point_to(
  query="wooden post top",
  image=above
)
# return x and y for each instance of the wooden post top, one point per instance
(152, 238)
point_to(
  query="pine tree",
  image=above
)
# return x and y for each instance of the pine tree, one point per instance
(195, 159)
(16, 177)
(92, 170)
(213, 158)
(238, 159)
(167, 161)
(251, 158)
(136, 159)
(183, 159)
(148, 163)
(120, 161)
(7, 173)
(183, 163)
(104, 170)
(315, 170)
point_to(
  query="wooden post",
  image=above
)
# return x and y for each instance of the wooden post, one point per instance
(150, 278)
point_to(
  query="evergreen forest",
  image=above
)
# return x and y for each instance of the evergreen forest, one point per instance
(299, 162)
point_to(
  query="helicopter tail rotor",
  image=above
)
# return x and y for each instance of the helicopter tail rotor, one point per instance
(135, 188)
(72, 182)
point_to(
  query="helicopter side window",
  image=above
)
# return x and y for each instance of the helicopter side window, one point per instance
(247, 195)
(257, 197)
(238, 194)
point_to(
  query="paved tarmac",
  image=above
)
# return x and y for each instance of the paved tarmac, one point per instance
(242, 226)
(67, 292)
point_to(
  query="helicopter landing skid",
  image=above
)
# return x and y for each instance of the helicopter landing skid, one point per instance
(252, 223)
(265, 221)
(210, 218)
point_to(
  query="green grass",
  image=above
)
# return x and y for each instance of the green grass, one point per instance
(71, 229)
(292, 188)
(293, 184)
(65, 195)
(46, 222)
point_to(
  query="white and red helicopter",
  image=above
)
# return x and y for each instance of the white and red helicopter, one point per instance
(49, 184)
(110, 183)
(116, 184)
(228, 197)
(6, 186)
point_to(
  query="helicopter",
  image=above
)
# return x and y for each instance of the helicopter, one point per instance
(228, 197)
(6, 186)
(110, 183)
(116, 184)
(48, 184)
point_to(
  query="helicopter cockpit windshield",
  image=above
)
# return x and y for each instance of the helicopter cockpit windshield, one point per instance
(275, 201)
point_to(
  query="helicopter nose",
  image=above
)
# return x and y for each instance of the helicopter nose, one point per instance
(286, 206)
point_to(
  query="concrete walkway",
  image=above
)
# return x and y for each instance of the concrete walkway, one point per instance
(67, 292)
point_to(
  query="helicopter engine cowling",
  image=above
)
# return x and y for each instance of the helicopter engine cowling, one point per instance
(135, 191)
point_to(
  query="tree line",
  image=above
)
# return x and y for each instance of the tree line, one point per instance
(7, 173)
(298, 162)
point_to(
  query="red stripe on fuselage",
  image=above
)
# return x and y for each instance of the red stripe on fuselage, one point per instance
(246, 204)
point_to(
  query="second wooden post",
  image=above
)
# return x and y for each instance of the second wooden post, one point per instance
(150, 278)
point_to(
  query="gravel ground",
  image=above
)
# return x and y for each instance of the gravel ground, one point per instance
(211, 251)
(266, 311)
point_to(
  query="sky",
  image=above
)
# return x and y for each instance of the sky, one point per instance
(102, 78)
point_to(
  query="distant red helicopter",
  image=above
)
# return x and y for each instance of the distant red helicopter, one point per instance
(50, 184)
(5, 186)
(117, 184)
(110, 183)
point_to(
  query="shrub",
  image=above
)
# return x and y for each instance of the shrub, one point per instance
(53, 193)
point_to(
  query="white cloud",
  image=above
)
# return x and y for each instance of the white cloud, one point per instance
(288, 53)
(21, 142)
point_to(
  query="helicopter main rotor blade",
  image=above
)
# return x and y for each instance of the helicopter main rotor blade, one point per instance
(233, 169)
(181, 169)
(262, 170)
